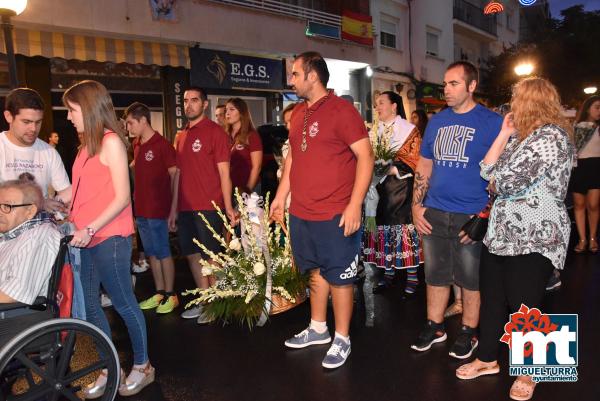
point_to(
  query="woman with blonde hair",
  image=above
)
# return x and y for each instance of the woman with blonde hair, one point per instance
(528, 168)
(585, 180)
(102, 215)
(246, 146)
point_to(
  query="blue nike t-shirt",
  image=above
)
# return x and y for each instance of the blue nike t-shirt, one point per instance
(457, 143)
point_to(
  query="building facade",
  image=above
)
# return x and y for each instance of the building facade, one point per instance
(417, 39)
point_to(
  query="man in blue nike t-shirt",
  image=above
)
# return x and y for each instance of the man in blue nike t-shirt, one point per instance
(448, 190)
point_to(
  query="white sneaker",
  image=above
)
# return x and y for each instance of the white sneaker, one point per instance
(105, 301)
(192, 313)
(140, 267)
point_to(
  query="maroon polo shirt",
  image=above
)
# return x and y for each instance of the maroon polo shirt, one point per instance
(199, 149)
(322, 178)
(241, 162)
(152, 186)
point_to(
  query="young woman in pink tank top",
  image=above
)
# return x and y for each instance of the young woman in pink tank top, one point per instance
(101, 213)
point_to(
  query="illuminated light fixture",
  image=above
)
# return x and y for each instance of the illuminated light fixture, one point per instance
(9, 9)
(369, 71)
(12, 7)
(524, 69)
(527, 3)
(590, 90)
(493, 7)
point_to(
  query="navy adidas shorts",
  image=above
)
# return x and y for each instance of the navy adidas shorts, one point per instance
(322, 245)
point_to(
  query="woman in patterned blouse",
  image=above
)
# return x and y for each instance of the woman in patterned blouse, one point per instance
(528, 168)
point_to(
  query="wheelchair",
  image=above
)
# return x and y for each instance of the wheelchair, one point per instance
(45, 357)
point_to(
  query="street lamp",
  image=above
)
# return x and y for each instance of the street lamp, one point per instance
(8, 9)
(590, 90)
(524, 69)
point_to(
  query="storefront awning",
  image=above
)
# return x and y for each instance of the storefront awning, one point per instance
(81, 47)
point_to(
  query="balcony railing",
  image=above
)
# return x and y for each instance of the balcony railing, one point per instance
(473, 15)
(285, 8)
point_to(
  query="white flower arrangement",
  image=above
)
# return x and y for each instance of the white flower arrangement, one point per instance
(245, 267)
(382, 146)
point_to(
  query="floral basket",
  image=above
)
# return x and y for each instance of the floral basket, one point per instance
(255, 274)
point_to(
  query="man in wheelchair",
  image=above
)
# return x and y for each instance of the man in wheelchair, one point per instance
(29, 242)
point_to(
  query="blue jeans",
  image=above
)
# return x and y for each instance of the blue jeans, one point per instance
(108, 263)
(78, 306)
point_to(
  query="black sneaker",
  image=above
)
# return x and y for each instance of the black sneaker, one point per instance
(431, 334)
(465, 343)
(554, 282)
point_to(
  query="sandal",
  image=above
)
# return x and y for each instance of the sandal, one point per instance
(580, 248)
(522, 389)
(455, 309)
(469, 371)
(593, 245)
(131, 388)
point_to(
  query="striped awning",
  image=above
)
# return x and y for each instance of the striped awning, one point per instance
(80, 47)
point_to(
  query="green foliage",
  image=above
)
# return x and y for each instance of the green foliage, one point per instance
(242, 268)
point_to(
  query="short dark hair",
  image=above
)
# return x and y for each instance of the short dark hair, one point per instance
(198, 89)
(138, 110)
(470, 72)
(220, 106)
(23, 98)
(313, 61)
(289, 108)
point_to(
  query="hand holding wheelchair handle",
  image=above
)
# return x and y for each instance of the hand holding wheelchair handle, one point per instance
(81, 238)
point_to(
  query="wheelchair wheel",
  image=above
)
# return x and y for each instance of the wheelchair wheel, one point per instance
(55, 359)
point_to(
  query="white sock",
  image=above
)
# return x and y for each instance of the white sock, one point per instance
(346, 339)
(319, 327)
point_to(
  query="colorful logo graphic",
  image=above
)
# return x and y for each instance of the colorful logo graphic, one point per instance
(493, 7)
(543, 346)
(527, 2)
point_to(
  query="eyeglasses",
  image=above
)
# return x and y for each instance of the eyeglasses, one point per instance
(7, 208)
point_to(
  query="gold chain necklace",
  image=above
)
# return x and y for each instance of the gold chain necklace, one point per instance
(307, 114)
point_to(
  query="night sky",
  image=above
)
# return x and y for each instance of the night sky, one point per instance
(557, 5)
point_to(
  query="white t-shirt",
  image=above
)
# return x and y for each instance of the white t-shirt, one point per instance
(592, 148)
(40, 160)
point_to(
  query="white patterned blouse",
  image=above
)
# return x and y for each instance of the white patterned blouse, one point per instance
(530, 179)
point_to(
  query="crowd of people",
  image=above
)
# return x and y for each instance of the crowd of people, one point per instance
(446, 169)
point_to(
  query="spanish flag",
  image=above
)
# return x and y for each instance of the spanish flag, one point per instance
(357, 28)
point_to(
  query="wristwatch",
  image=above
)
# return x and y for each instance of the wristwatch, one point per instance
(90, 231)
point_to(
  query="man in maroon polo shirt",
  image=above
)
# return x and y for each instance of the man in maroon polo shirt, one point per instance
(154, 172)
(328, 170)
(202, 177)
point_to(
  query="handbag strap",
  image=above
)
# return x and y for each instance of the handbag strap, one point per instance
(77, 187)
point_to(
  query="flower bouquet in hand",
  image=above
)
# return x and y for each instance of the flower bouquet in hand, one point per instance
(385, 154)
(250, 271)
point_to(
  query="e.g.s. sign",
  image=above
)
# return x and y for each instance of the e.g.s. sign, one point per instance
(217, 69)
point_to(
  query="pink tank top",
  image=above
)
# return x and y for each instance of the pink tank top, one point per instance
(93, 191)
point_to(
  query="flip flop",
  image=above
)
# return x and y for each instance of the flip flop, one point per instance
(522, 390)
(468, 372)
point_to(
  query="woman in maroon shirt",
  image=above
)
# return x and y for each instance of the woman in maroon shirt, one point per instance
(246, 146)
